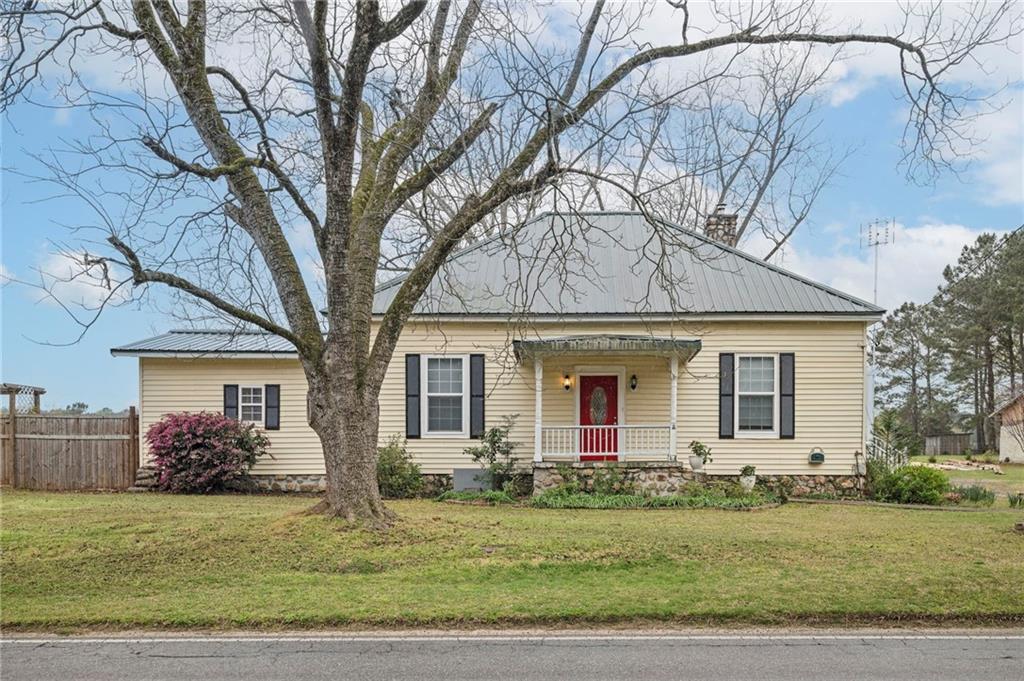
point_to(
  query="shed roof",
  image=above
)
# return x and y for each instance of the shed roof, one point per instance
(209, 343)
(617, 263)
(1007, 403)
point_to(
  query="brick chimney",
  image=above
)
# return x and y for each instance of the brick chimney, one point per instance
(721, 226)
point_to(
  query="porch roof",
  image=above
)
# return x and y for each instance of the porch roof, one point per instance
(607, 344)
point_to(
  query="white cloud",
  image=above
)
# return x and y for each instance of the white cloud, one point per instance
(66, 279)
(62, 116)
(908, 270)
(999, 157)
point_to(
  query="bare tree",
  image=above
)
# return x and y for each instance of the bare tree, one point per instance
(242, 135)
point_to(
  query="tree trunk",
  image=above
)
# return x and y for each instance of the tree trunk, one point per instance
(1013, 363)
(990, 397)
(915, 408)
(347, 422)
(979, 427)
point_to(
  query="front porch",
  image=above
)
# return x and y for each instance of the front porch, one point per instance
(611, 398)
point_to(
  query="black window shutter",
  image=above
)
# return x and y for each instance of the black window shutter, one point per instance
(272, 409)
(787, 385)
(726, 399)
(476, 396)
(231, 401)
(412, 396)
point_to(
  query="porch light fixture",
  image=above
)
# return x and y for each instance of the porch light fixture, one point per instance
(567, 383)
(633, 383)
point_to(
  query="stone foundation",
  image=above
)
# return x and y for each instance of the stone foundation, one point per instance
(433, 484)
(290, 483)
(837, 486)
(660, 478)
(665, 478)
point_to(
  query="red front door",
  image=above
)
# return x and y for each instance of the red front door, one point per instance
(599, 406)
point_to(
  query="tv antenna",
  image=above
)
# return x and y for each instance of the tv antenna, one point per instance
(874, 235)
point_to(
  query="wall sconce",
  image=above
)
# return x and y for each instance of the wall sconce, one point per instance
(567, 382)
(633, 383)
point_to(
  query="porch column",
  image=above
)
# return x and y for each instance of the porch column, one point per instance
(538, 400)
(673, 403)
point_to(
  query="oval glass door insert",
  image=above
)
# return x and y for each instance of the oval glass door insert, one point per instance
(598, 406)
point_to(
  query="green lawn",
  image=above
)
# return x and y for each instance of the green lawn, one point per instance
(1012, 479)
(81, 560)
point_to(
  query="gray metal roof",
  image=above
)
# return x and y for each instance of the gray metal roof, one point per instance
(209, 343)
(616, 264)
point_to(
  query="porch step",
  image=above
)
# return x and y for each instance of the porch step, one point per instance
(145, 480)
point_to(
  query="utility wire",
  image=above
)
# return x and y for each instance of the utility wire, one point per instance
(988, 256)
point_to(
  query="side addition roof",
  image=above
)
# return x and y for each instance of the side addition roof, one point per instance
(209, 343)
(606, 263)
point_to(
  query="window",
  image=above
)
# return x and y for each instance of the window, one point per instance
(756, 395)
(250, 405)
(445, 403)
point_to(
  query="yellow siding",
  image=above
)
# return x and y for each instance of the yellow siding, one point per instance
(829, 392)
(170, 385)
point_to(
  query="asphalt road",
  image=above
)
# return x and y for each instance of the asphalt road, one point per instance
(609, 656)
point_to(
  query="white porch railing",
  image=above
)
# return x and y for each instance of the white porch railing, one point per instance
(625, 441)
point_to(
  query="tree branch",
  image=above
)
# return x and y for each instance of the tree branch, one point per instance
(141, 276)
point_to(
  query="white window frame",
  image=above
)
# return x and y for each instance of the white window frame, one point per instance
(426, 394)
(263, 403)
(756, 434)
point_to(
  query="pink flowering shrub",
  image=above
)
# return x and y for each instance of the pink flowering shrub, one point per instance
(203, 452)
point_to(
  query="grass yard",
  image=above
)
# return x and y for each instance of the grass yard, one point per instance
(119, 560)
(1012, 479)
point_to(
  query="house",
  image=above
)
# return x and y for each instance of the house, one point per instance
(1011, 429)
(608, 336)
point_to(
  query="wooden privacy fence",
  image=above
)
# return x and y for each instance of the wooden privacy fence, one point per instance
(58, 452)
(952, 443)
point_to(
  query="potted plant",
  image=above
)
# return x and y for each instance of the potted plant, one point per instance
(747, 478)
(700, 454)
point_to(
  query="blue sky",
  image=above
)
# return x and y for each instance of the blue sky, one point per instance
(934, 222)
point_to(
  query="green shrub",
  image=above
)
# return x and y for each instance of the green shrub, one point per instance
(748, 470)
(876, 471)
(1016, 499)
(571, 481)
(698, 448)
(397, 475)
(933, 459)
(975, 494)
(197, 453)
(912, 485)
(496, 453)
(611, 480)
(493, 497)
